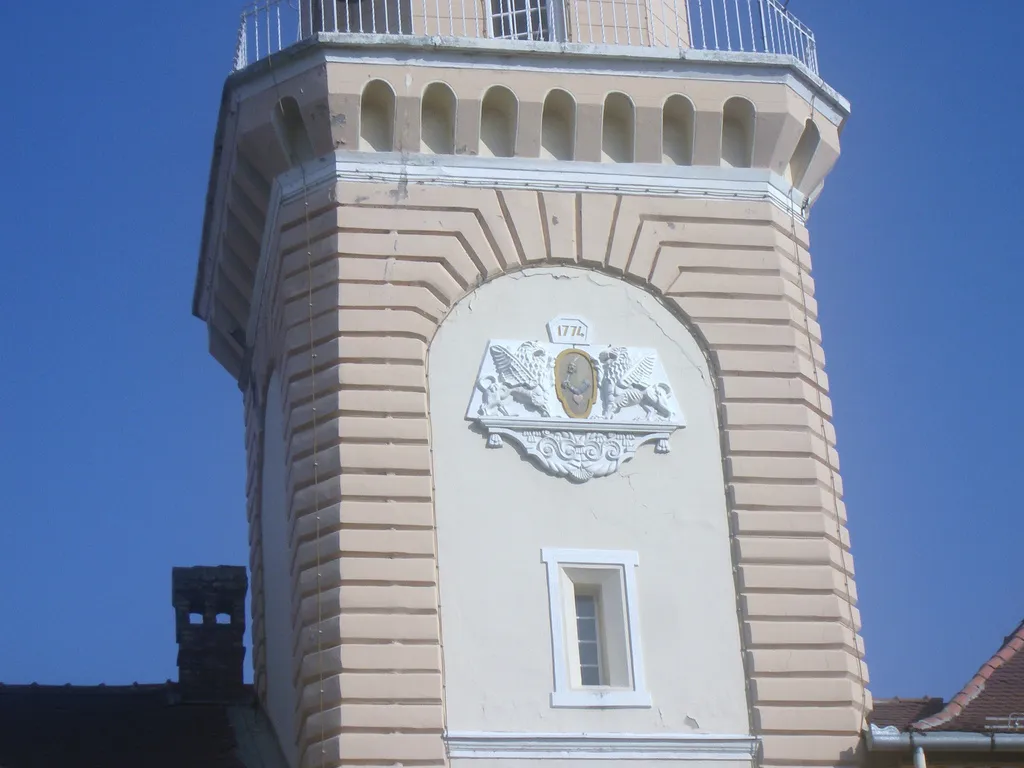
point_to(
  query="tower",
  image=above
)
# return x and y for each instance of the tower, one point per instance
(540, 462)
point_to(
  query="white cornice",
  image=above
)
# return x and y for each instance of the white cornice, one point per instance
(702, 182)
(601, 746)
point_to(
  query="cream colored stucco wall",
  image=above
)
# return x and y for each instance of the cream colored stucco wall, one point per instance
(495, 511)
(387, 264)
(383, 260)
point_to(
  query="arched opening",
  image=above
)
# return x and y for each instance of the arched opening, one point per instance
(803, 153)
(677, 131)
(437, 120)
(558, 126)
(738, 133)
(528, 514)
(499, 114)
(377, 117)
(291, 131)
(617, 129)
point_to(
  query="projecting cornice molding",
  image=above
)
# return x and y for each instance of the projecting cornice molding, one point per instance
(601, 746)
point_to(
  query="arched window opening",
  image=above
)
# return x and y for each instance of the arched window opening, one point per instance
(617, 129)
(291, 131)
(377, 117)
(437, 120)
(499, 114)
(803, 153)
(558, 126)
(738, 133)
(677, 131)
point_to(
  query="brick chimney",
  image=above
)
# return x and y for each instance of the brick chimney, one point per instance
(209, 608)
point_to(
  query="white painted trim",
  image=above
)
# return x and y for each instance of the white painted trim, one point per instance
(564, 694)
(601, 746)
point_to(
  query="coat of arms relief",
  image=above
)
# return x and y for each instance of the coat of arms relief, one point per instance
(578, 410)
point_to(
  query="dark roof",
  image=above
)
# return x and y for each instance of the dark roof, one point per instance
(139, 726)
(993, 700)
(903, 712)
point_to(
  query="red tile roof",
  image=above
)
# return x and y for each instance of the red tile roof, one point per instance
(903, 712)
(993, 700)
(112, 726)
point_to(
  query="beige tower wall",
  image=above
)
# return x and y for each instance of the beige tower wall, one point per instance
(360, 258)
(388, 263)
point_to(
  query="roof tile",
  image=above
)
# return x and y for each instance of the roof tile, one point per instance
(993, 700)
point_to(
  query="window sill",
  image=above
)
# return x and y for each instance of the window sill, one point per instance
(601, 698)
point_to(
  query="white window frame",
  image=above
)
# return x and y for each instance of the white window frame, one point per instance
(606, 564)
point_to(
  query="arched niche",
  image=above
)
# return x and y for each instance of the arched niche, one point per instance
(617, 129)
(437, 120)
(499, 116)
(291, 131)
(377, 117)
(558, 126)
(670, 509)
(677, 121)
(738, 116)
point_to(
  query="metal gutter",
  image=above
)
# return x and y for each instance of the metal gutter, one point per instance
(891, 739)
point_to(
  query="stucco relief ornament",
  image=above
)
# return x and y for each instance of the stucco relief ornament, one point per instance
(579, 411)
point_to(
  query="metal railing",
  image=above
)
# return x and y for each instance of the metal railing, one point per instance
(757, 26)
(754, 26)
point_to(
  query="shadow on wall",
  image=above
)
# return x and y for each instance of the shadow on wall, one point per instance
(501, 131)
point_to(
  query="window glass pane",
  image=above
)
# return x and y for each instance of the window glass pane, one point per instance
(588, 654)
(586, 605)
(588, 641)
(519, 19)
(590, 675)
(586, 630)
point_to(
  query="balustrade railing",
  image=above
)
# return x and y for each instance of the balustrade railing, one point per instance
(754, 26)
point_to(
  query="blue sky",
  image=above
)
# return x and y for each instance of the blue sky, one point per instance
(121, 449)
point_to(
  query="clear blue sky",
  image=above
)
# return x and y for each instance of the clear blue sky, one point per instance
(121, 448)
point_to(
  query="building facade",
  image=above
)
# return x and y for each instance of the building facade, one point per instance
(540, 459)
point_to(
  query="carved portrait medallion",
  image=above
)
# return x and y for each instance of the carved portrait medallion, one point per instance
(576, 382)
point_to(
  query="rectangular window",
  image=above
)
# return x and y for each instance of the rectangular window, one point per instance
(595, 629)
(527, 20)
(587, 639)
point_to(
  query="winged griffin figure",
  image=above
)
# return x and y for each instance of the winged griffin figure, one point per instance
(524, 376)
(627, 382)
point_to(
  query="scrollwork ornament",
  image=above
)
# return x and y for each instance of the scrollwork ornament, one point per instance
(578, 411)
(578, 456)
